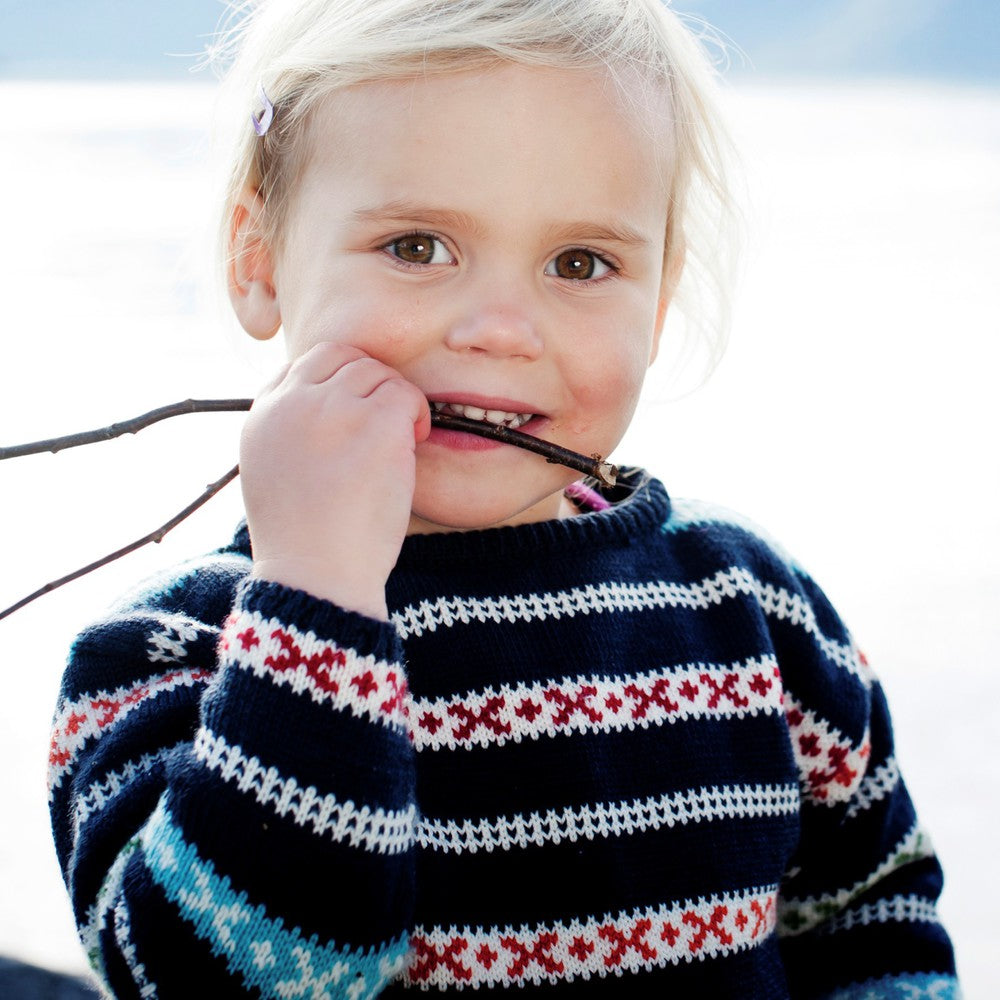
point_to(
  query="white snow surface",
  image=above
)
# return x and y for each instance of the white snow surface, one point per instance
(855, 415)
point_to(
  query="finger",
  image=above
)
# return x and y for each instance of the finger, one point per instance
(398, 392)
(268, 387)
(422, 425)
(324, 360)
(362, 376)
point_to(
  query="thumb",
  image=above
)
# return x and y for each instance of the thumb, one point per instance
(422, 423)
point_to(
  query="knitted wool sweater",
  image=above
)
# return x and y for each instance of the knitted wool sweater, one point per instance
(631, 753)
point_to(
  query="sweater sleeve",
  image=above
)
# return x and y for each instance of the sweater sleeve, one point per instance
(857, 911)
(232, 794)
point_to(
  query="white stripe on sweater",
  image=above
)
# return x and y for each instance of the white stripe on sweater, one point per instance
(796, 916)
(327, 672)
(108, 895)
(380, 831)
(776, 602)
(123, 938)
(607, 819)
(831, 766)
(877, 785)
(91, 715)
(897, 910)
(390, 833)
(592, 703)
(587, 946)
(169, 643)
(104, 790)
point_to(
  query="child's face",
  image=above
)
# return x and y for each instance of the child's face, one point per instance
(497, 237)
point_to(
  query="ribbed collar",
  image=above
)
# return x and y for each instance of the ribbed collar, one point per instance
(639, 505)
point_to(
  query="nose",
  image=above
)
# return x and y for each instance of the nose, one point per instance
(502, 329)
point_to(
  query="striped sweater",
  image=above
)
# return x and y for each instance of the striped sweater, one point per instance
(632, 753)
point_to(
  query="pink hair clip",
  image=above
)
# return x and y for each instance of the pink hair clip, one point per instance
(262, 122)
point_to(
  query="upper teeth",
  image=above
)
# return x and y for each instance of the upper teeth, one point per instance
(499, 417)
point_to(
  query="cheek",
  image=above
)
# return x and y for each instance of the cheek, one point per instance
(612, 354)
(385, 333)
(607, 376)
(605, 387)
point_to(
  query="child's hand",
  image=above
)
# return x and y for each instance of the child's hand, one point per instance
(328, 468)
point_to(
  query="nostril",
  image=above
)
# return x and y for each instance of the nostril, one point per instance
(501, 332)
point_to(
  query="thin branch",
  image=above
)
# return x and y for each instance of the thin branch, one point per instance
(594, 466)
(126, 426)
(153, 536)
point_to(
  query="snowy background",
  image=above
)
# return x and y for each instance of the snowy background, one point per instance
(855, 414)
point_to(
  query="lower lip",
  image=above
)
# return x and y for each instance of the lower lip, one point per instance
(462, 441)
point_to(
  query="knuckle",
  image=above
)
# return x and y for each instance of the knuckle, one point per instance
(398, 387)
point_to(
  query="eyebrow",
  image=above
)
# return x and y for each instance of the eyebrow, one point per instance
(574, 232)
(587, 232)
(408, 211)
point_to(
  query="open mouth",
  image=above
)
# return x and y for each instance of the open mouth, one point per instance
(499, 418)
(501, 425)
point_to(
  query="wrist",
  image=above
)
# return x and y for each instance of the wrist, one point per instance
(314, 577)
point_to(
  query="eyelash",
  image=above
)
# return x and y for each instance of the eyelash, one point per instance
(613, 269)
(415, 234)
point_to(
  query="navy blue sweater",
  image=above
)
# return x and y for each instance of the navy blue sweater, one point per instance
(630, 753)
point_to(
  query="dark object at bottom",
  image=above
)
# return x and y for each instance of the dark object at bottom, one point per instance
(19, 981)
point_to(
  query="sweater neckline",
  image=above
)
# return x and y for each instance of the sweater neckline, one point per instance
(639, 504)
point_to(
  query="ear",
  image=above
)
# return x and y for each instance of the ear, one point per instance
(672, 269)
(661, 315)
(250, 269)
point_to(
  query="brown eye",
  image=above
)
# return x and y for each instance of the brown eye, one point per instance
(577, 265)
(420, 248)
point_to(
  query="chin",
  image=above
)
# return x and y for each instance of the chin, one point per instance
(469, 515)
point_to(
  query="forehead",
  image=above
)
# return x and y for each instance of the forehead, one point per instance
(582, 141)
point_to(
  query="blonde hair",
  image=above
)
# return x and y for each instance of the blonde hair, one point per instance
(300, 51)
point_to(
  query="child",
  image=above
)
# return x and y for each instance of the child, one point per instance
(442, 716)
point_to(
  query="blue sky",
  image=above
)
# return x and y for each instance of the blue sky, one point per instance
(949, 39)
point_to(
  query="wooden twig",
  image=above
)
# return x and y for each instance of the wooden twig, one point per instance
(153, 536)
(594, 466)
(125, 426)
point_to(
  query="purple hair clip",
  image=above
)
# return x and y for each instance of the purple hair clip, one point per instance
(262, 122)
